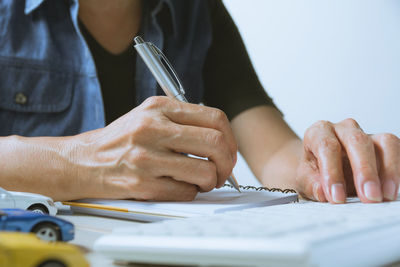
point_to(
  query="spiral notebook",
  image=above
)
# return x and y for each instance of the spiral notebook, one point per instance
(213, 202)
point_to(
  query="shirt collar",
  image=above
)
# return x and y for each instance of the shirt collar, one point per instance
(31, 5)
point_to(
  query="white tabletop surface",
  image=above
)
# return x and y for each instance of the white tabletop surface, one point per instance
(88, 228)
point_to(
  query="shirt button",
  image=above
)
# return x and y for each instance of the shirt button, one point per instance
(20, 98)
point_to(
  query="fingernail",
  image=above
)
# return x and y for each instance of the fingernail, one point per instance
(338, 194)
(372, 191)
(315, 191)
(389, 190)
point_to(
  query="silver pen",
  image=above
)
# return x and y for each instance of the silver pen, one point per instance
(153, 58)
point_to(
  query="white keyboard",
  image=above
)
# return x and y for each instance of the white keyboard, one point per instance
(298, 234)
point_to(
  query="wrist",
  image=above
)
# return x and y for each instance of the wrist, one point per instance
(281, 168)
(81, 168)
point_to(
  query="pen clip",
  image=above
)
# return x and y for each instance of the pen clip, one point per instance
(164, 58)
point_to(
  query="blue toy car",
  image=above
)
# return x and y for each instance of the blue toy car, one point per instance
(46, 227)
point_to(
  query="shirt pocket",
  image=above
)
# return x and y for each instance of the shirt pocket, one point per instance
(31, 95)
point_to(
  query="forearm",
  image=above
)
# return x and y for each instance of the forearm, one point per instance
(39, 164)
(280, 170)
(271, 149)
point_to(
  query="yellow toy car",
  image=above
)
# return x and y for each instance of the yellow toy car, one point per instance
(26, 250)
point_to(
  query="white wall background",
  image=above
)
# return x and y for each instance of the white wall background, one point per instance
(325, 59)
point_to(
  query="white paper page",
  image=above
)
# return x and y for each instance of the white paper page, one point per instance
(216, 201)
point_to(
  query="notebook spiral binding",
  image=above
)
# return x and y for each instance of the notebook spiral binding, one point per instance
(260, 188)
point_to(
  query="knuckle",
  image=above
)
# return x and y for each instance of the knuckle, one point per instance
(217, 139)
(308, 134)
(350, 122)
(331, 144)
(177, 133)
(322, 124)
(179, 107)
(209, 178)
(219, 117)
(360, 137)
(388, 138)
(143, 126)
(143, 123)
(154, 102)
(140, 157)
(318, 126)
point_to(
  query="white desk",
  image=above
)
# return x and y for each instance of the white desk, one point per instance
(89, 228)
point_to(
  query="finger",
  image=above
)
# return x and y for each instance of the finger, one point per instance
(199, 172)
(309, 185)
(168, 189)
(387, 149)
(142, 185)
(195, 115)
(202, 142)
(324, 145)
(361, 153)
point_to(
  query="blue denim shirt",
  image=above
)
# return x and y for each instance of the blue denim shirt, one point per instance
(48, 80)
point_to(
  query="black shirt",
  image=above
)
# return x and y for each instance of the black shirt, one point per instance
(227, 57)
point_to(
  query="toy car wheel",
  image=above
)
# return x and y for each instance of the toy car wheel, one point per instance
(38, 209)
(52, 264)
(47, 232)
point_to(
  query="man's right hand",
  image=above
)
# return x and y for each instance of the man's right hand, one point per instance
(140, 155)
